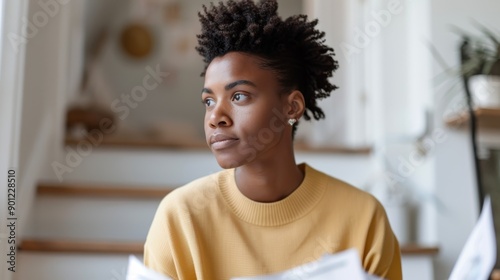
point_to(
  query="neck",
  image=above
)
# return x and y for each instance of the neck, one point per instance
(271, 180)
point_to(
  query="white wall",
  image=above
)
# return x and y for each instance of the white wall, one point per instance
(345, 123)
(97, 17)
(397, 81)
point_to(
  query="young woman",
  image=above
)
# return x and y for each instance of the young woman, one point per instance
(264, 213)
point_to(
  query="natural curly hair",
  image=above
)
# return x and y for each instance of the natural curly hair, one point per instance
(292, 48)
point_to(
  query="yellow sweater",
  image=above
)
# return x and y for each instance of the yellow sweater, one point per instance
(208, 229)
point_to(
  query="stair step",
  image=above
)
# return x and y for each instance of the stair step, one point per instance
(174, 168)
(132, 167)
(94, 190)
(100, 218)
(95, 247)
(94, 211)
(63, 266)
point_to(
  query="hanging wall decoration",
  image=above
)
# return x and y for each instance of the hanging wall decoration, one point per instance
(137, 40)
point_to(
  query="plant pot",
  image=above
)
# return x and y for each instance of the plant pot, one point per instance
(485, 91)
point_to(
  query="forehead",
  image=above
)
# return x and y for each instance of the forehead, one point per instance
(238, 66)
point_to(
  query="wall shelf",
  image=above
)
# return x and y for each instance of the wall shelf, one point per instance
(488, 134)
(487, 119)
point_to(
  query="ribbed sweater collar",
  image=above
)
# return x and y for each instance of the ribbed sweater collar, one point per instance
(287, 210)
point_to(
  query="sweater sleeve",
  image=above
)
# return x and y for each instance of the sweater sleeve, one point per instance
(382, 255)
(157, 250)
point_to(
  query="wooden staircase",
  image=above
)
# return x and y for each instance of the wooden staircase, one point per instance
(98, 245)
(86, 227)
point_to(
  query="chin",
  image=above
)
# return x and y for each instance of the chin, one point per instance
(227, 163)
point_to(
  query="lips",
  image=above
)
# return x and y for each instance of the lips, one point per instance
(222, 141)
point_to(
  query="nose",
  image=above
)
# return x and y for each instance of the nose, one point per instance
(220, 116)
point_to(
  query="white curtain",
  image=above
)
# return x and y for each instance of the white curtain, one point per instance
(11, 92)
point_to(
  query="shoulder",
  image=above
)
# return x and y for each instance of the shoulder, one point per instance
(193, 194)
(345, 193)
(172, 227)
(369, 226)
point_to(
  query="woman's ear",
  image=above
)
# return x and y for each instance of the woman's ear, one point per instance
(296, 105)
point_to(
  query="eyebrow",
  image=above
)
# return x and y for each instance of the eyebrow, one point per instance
(231, 85)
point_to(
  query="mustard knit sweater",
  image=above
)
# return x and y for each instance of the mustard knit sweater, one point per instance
(208, 229)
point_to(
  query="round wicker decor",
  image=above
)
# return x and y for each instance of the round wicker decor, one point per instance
(137, 41)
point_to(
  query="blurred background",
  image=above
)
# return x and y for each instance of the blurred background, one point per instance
(100, 117)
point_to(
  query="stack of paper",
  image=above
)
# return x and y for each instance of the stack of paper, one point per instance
(137, 271)
(345, 265)
(477, 259)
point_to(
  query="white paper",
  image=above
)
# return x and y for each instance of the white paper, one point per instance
(345, 265)
(477, 259)
(137, 271)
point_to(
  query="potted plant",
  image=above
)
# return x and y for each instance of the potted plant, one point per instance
(479, 67)
(481, 64)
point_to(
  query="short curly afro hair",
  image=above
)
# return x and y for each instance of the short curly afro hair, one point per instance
(293, 48)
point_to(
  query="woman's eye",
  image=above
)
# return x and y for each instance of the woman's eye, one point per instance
(208, 102)
(239, 97)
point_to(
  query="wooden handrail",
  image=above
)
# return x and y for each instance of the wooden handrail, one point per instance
(101, 191)
(95, 247)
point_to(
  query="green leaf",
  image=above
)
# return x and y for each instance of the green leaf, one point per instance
(486, 31)
(438, 57)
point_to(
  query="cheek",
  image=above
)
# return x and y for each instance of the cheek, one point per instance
(248, 121)
(206, 125)
(263, 127)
